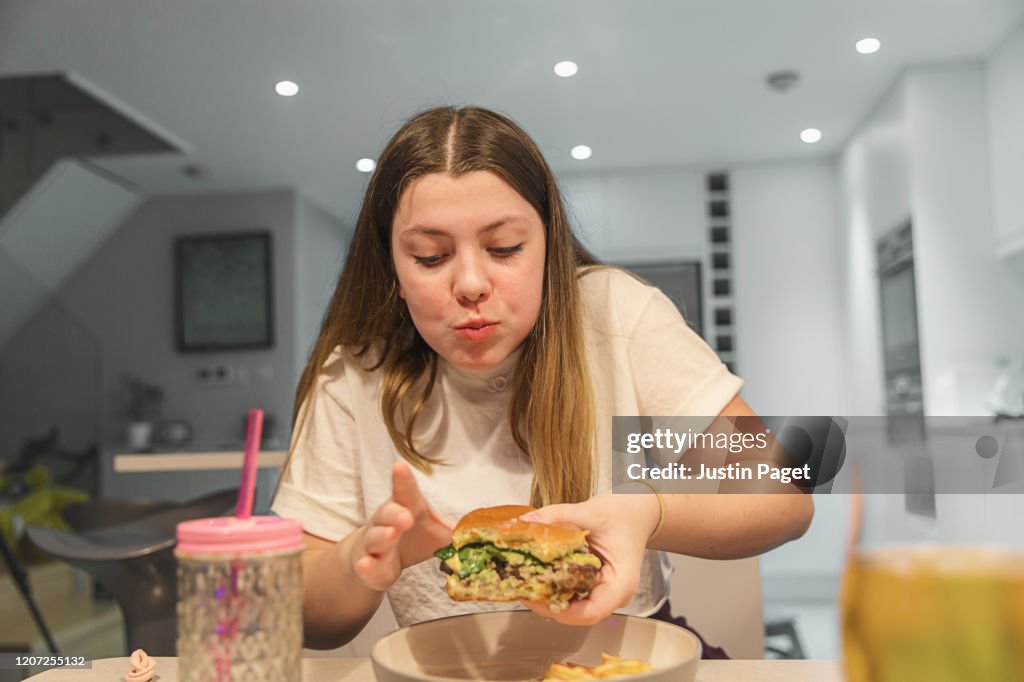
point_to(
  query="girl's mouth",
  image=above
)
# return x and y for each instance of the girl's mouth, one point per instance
(477, 331)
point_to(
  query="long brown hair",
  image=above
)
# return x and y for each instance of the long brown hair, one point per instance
(551, 413)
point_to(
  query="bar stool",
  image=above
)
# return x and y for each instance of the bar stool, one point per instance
(133, 559)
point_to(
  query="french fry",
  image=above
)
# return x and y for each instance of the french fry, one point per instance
(610, 666)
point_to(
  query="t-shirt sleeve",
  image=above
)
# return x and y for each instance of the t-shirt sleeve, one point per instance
(321, 487)
(676, 372)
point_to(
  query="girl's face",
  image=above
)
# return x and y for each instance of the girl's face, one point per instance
(469, 256)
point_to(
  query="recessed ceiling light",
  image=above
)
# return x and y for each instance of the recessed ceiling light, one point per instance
(810, 135)
(868, 45)
(581, 151)
(365, 165)
(566, 69)
(287, 88)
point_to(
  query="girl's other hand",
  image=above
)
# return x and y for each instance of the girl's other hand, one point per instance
(401, 532)
(619, 525)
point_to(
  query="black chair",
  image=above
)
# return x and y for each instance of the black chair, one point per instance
(95, 514)
(128, 547)
(785, 630)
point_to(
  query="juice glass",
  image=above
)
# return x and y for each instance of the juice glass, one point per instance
(934, 597)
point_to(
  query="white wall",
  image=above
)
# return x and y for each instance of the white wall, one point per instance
(124, 296)
(320, 244)
(786, 264)
(50, 376)
(639, 215)
(787, 254)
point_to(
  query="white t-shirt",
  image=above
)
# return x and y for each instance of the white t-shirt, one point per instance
(643, 360)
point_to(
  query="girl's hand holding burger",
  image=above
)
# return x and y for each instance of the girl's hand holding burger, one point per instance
(620, 526)
(402, 532)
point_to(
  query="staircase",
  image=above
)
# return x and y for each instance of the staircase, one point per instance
(56, 205)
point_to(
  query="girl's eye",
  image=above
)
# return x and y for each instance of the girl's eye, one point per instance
(506, 251)
(428, 261)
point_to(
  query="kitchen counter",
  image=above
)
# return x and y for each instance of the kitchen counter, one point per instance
(179, 476)
(193, 461)
(361, 670)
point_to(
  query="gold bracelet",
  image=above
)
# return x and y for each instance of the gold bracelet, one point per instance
(661, 508)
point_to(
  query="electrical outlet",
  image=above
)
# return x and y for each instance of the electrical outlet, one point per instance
(216, 375)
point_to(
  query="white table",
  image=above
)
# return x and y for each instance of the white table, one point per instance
(360, 670)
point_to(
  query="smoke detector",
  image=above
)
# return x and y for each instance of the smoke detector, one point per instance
(194, 171)
(782, 81)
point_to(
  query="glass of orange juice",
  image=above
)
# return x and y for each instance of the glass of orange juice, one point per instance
(937, 596)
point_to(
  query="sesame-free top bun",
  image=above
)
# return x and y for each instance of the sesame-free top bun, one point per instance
(499, 526)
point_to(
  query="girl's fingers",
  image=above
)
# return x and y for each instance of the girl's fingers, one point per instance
(404, 490)
(554, 513)
(377, 573)
(379, 539)
(394, 514)
(598, 605)
(538, 607)
(611, 593)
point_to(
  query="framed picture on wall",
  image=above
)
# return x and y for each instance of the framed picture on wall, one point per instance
(223, 292)
(681, 282)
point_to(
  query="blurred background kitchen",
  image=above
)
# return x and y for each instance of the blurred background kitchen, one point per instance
(830, 190)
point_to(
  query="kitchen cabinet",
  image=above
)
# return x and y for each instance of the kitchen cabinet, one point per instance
(1011, 253)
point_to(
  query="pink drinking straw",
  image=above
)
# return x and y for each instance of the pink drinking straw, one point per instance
(253, 432)
(231, 601)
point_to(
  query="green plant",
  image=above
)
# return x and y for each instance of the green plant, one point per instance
(137, 400)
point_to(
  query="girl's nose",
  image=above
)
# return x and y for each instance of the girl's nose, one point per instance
(472, 284)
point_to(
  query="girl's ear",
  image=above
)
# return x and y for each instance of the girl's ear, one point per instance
(396, 289)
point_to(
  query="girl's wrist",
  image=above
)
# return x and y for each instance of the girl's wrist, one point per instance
(651, 506)
(661, 514)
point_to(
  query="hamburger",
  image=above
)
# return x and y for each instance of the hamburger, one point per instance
(496, 557)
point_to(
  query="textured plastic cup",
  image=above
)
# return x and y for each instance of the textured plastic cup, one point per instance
(239, 600)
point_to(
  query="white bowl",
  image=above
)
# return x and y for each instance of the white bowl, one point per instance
(520, 645)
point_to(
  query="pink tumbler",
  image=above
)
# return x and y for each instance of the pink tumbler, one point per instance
(239, 600)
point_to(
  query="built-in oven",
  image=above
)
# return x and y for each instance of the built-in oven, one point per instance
(900, 343)
(904, 394)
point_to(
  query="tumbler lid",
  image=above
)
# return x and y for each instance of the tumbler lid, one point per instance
(230, 535)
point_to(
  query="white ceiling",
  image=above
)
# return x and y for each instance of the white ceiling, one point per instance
(661, 82)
